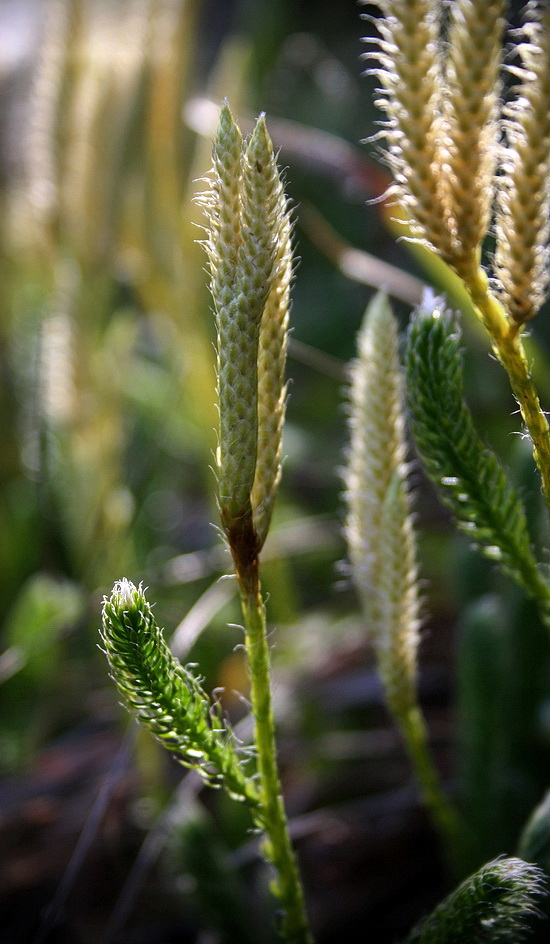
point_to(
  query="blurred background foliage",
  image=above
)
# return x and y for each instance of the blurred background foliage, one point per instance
(107, 425)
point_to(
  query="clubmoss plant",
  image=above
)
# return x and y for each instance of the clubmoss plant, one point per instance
(382, 543)
(441, 95)
(249, 252)
(498, 900)
(468, 159)
(441, 91)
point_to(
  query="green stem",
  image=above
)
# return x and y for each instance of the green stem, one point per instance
(537, 588)
(441, 810)
(278, 847)
(509, 349)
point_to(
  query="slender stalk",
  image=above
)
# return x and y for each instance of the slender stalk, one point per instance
(441, 810)
(250, 256)
(382, 543)
(278, 846)
(509, 349)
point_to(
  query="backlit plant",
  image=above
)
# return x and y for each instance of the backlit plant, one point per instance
(464, 164)
(250, 258)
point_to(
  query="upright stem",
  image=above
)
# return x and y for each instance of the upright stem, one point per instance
(508, 347)
(278, 847)
(442, 812)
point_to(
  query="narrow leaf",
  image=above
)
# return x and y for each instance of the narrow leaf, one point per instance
(166, 696)
(469, 478)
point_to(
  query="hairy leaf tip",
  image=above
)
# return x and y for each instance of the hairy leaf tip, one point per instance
(493, 905)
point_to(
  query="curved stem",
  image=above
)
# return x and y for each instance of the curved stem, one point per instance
(441, 810)
(278, 846)
(537, 587)
(509, 349)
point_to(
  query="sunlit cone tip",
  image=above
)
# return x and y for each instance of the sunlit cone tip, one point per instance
(125, 594)
(471, 107)
(228, 128)
(250, 258)
(379, 527)
(408, 56)
(522, 262)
